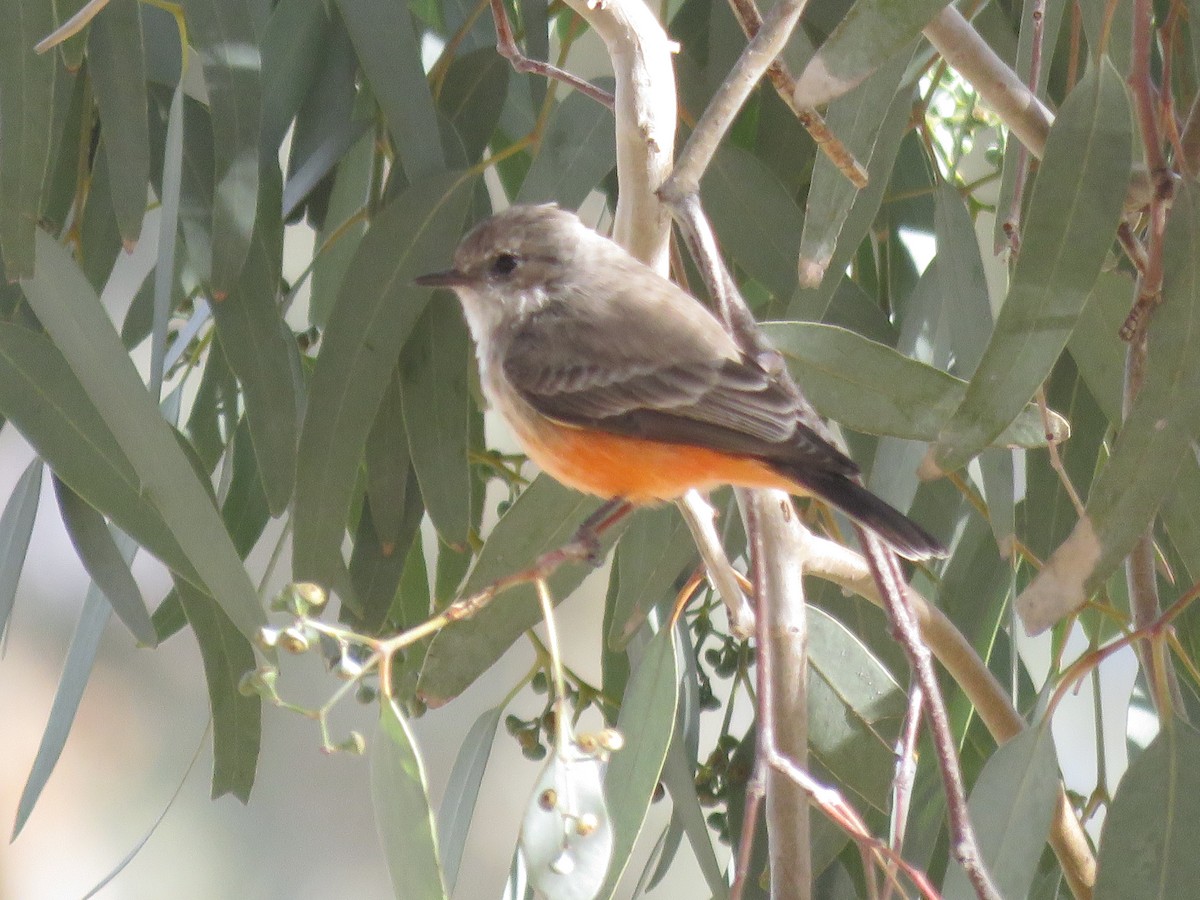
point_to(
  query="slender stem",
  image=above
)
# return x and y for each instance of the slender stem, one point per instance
(762, 50)
(781, 78)
(885, 569)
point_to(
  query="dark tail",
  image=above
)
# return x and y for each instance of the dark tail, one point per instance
(900, 532)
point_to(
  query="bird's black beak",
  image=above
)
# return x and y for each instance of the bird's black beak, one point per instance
(451, 278)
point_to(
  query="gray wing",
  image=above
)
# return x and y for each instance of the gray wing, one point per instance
(684, 383)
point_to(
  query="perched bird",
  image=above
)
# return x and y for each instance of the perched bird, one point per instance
(619, 383)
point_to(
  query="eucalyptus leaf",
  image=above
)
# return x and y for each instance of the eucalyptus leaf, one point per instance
(225, 34)
(1150, 829)
(27, 87)
(1073, 215)
(76, 320)
(375, 312)
(403, 816)
(873, 389)
(117, 65)
(16, 526)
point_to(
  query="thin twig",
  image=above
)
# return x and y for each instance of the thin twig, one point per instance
(762, 50)
(1012, 222)
(1056, 462)
(784, 83)
(906, 774)
(506, 46)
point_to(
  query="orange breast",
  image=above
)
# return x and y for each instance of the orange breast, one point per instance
(638, 470)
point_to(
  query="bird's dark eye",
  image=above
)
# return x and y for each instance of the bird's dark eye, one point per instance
(504, 264)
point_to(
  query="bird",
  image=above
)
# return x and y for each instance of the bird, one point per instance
(619, 383)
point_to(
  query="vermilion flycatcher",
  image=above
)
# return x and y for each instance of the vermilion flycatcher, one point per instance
(619, 383)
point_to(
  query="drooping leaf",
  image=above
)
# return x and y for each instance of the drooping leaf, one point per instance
(462, 790)
(403, 816)
(870, 34)
(1146, 848)
(543, 518)
(1072, 217)
(117, 65)
(237, 718)
(41, 395)
(1152, 443)
(260, 349)
(1011, 806)
(858, 119)
(656, 548)
(871, 388)
(27, 85)
(225, 34)
(16, 526)
(376, 310)
(472, 96)
(647, 721)
(577, 150)
(434, 395)
(76, 321)
(388, 49)
(757, 222)
(854, 710)
(98, 551)
(388, 464)
(77, 670)
(292, 49)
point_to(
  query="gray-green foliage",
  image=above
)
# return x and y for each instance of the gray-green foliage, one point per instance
(344, 403)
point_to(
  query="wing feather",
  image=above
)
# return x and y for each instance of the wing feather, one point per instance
(688, 385)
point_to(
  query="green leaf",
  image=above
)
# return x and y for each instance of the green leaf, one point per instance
(434, 366)
(1153, 440)
(858, 119)
(873, 389)
(758, 223)
(99, 232)
(388, 465)
(216, 401)
(16, 525)
(224, 33)
(402, 813)
(376, 310)
(77, 670)
(1147, 848)
(170, 193)
(41, 396)
(1011, 806)
(77, 322)
(27, 84)
(654, 552)
(260, 348)
(292, 50)
(376, 568)
(103, 561)
(462, 790)
(578, 149)
(473, 95)
(349, 195)
(1073, 214)
(811, 303)
(390, 54)
(647, 721)
(543, 518)
(959, 275)
(237, 719)
(854, 710)
(244, 511)
(117, 65)
(870, 34)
